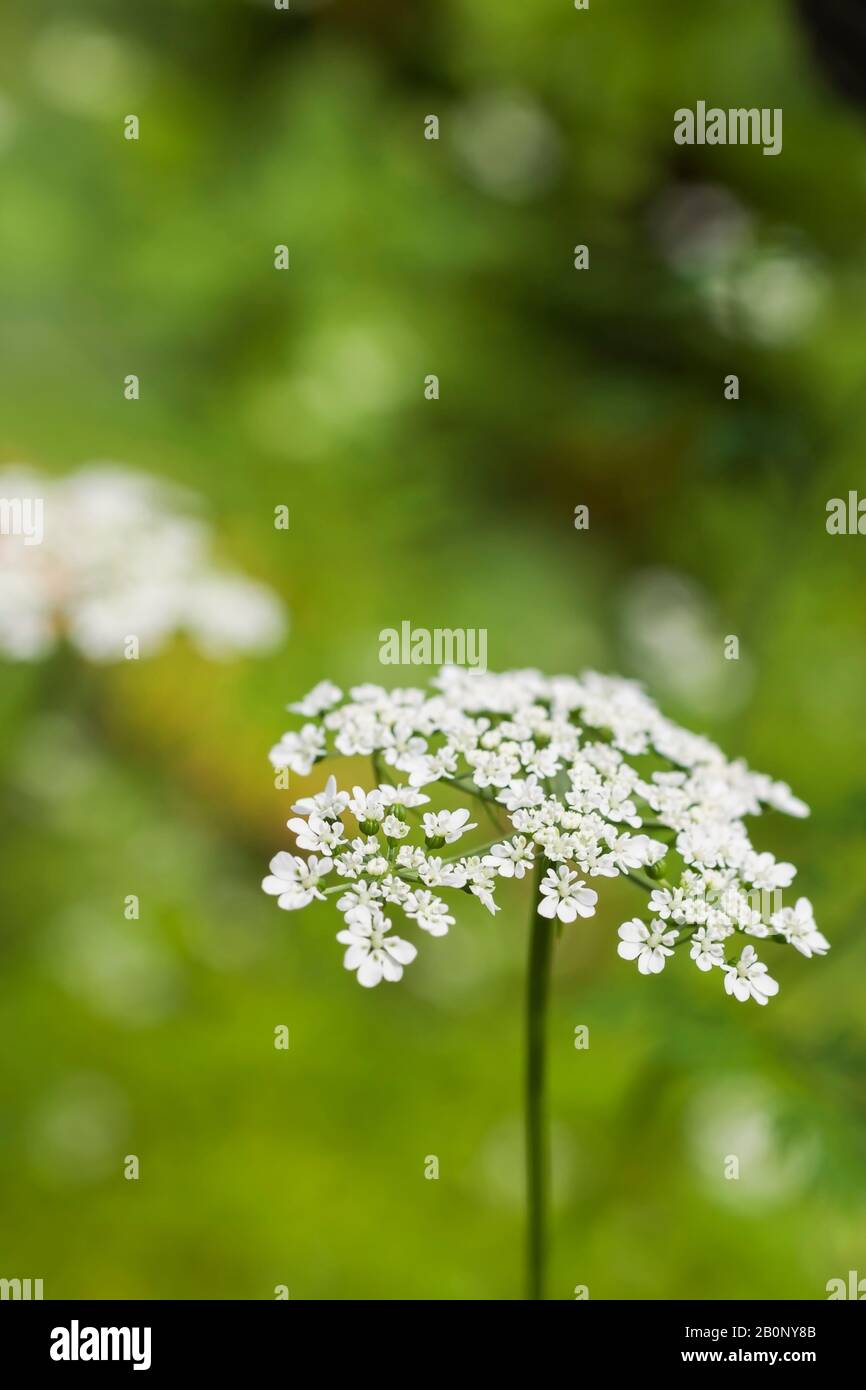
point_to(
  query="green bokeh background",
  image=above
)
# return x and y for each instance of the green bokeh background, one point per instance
(258, 388)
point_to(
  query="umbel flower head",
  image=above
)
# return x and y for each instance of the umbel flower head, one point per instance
(590, 781)
(117, 553)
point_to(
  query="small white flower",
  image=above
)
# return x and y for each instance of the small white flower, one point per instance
(521, 795)
(437, 874)
(706, 949)
(605, 865)
(320, 698)
(316, 833)
(362, 895)
(373, 954)
(565, 896)
(412, 858)
(766, 873)
(407, 797)
(299, 751)
(367, 847)
(328, 803)
(783, 799)
(350, 864)
(557, 846)
(394, 890)
(497, 768)
(634, 851)
(649, 946)
(424, 768)
(481, 881)
(395, 829)
(539, 762)
(293, 880)
(748, 978)
(512, 858)
(367, 806)
(446, 827)
(797, 925)
(430, 912)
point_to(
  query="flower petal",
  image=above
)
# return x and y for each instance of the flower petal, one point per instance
(403, 951)
(370, 971)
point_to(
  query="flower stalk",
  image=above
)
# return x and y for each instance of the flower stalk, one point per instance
(537, 1155)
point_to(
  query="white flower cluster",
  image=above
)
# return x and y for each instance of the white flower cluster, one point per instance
(120, 556)
(593, 782)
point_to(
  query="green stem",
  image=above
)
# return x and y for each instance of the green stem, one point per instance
(476, 850)
(644, 881)
(466, 784)
(537, 991)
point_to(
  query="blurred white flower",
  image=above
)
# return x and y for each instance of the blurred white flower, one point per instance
(121, 556)
(766, 290)
(742, 1118)
(131, 979)
(772, 297)
(675, 640)
(508, 144)
(77, 1129)
(320, 698)
(700, 227)
(87, 71)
